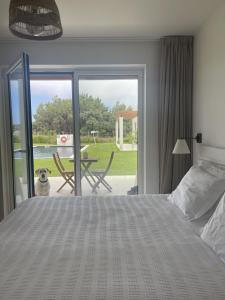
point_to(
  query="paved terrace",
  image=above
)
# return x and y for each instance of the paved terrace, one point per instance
(120, 186)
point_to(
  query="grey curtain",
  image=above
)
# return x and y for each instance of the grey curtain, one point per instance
(175, 108)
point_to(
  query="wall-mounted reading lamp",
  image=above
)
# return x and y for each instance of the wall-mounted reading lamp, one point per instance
(181, 146)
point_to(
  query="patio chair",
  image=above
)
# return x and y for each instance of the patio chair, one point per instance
(59, 161)
(67, 175)
(101, 174)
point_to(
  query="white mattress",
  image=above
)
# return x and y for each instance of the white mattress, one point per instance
(105, 248)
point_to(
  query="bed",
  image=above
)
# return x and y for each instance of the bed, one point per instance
(119, 247)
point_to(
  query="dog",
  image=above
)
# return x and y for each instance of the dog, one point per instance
(42, 186)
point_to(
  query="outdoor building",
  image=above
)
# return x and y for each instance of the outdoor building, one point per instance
(120, 117)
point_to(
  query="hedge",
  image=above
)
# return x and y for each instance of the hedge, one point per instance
(52, 140)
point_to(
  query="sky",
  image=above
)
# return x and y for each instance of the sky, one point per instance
(109, 91)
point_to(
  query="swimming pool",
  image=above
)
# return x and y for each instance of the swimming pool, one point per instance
(47, 151)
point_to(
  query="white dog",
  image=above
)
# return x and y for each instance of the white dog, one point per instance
(42, 186)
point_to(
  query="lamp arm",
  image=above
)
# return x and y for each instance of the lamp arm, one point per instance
(198, 138)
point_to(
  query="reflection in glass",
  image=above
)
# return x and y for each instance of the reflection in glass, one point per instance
(16, 85)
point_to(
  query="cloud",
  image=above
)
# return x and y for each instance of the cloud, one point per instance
(47, 89)
(109, 91)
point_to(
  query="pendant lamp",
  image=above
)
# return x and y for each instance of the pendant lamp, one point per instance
(35, 19)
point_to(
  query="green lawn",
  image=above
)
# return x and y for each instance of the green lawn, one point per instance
(124, 162)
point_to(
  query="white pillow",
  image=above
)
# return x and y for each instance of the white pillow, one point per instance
(197, 192)
(214, 231)
(212, 167)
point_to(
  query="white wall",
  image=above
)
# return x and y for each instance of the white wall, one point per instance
(98, 53)
(209, 80)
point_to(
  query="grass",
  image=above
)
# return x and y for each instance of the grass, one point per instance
(124, 162)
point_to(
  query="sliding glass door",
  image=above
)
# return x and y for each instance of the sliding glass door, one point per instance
(86, 132)
(20, 115)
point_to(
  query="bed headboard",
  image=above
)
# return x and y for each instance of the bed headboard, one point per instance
(214, 154)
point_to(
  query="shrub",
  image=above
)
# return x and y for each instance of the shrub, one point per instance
(98, 139)
(44, 139)
(16, 138)
(51, 139)
(130, 139)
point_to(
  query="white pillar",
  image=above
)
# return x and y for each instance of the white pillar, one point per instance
(117, 131)
(121, 132)
(133, 128)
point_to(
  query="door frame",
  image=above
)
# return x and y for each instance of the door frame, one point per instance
(122, 73)
(24, 61)
(58, 73)
(118, 71)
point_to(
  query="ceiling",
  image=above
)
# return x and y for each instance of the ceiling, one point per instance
(125, 18)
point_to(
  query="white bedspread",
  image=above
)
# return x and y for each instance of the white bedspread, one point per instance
(113, 248)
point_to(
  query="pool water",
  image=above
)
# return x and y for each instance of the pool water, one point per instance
(47, 151)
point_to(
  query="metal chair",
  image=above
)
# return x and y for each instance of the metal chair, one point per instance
(101, 174)
(67, 175)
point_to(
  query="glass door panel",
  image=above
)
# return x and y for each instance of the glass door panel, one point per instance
(53, 127)
(108, 134)
(19, 96)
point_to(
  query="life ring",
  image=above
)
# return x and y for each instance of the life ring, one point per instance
(63, 139)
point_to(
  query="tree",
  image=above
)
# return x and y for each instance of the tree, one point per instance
(121, 107)
(57, 116)
(54, 116)
(94, 115)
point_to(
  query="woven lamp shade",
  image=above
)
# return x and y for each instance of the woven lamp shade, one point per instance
(35, 19)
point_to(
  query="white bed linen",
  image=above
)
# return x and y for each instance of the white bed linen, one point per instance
(213, 168)
(197, 192)
(133, 247)
(214, 231)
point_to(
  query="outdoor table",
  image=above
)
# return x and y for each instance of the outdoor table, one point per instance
(86, 163)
